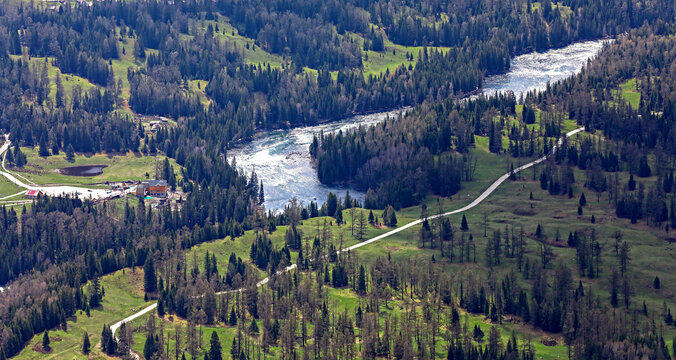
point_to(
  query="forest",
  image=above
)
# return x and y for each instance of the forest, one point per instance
(147, 58)
(369, 158)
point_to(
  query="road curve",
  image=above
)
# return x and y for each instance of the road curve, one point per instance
(474, 203)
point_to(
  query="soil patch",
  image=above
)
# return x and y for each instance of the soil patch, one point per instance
(38, 348)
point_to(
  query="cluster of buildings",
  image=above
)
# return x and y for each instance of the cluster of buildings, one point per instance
(148, 188)
(55, 4)
(156, 124)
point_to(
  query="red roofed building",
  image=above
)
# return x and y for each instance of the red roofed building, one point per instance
(32, 194)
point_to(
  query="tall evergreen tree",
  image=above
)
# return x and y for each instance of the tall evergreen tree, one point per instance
(215, 349)
(45, 341)
(149, 277)
(86, 346)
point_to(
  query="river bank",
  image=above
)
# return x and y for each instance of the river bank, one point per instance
(281, 158)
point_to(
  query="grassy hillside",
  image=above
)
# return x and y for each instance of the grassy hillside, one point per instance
(630, 93)
(509, 206)
(120, 167)
(123, 297)
(68, 80)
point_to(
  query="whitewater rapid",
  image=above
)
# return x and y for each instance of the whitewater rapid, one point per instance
(281, 158)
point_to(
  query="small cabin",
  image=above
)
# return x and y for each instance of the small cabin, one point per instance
(32, 194)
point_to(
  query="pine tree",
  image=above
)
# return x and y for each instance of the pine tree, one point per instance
(86, 345)
(261, 194)
(464, 226)
(149, 278)
(478, 334)
(583, 200)
(19, 157)
(234, 349)
(108, 343)
(624, 257)
(361, 282)
(160, 307)
(253, 327)
(59, 90)
(232, 321)
(643, 168)
(389, 217)
(339, 215)
(149, 348)
(631, 185)
(10, 157)
(95, 293)
(361, 225)
(215, 350)
(104, 338)
(614, 285)
(70, 153)
(45, 341)
(44, 148)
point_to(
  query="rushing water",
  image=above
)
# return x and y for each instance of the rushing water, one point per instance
(281, 158)
(532, 71)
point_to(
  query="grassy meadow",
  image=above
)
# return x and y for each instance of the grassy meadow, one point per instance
(120, 167)
(123, 296)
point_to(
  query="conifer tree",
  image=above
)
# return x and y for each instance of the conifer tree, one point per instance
(232, 321)
(45, 341)
(86, 344)
(215, 349)
(149, 278)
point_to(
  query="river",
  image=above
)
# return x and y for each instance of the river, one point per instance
(281, 158)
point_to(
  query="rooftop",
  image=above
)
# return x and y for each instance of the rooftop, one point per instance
(155, 182)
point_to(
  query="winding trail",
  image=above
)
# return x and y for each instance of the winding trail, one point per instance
(474, 203)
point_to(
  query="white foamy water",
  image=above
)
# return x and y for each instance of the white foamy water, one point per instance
(281, 158)
(532, 71)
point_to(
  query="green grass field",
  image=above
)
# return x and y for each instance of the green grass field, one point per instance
(68, 80)
(125, 62)
(253, 54)
(241, 246)
(198, 87)
(8, 188)
(651, 254)
(394, 55)
(565, 10)
(630, 93)
(121, 167)
(122, 295)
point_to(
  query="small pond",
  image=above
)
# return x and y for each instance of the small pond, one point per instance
(82, 170)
